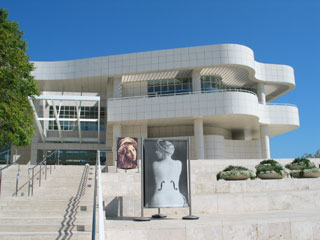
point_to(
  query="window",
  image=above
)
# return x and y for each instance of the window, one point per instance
(209, 83)
(169, 86)
(71, 112)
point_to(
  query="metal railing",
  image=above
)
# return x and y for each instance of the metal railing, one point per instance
(8, 155)
(98, 185)
(280, 104)
(7, 166)
(150, 95)
(33, 174)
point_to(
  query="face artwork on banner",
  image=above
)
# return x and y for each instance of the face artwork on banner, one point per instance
(165, 173)
(127, 152)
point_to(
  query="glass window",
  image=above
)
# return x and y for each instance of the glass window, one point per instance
(169, 86)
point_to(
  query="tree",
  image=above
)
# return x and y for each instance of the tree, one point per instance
(16, 85)
(310, 155)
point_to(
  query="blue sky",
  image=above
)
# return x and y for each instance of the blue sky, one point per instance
(278, 31)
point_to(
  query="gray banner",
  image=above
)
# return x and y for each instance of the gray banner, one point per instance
(165, 173)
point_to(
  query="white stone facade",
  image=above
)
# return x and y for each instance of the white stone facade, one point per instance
(230, 122)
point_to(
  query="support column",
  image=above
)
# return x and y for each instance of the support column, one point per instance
(198, 138)
(116, 134)
(264, 139)
(196, 80)
(261, 93)
(247, 134)
(117, 93)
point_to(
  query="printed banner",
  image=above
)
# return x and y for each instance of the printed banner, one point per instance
(127, 149)
(165, 173)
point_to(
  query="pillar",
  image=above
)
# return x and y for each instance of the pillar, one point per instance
(116, 130)
(117, 93)
(198, 138)
(196, 80)
(261, 93)
(247, 134)
(264, 139)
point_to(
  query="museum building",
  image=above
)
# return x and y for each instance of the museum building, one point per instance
(217, 96)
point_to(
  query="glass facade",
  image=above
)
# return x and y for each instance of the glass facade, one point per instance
(71, 112)
(169, 86)
(213, 83)
(210, 83)
(74, 157)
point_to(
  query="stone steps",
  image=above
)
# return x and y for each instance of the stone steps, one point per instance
(44, 227)
(54, 211)
(45, 235)
(291, 225)
(45, 220)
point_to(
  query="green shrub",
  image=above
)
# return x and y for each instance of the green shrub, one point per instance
(269, 166)
(300, 163)
(235, 171)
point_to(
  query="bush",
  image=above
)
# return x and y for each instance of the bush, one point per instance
(235, 171)
(270, 166)
(300, 163)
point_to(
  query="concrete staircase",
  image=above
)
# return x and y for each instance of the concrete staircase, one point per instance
(251, 209)
(60, 209)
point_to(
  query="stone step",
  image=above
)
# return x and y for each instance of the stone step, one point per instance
(53, 213)
(207, 184)
(36, 203)
(44, 208)
(29, 220)
(223, 203)
(45, 235)
(45, 228)
(293, 225)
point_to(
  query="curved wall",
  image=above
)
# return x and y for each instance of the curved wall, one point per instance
(166, 60)
(200, 105)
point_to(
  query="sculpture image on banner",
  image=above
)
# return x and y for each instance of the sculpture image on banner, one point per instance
(127, 152)
(165, 173)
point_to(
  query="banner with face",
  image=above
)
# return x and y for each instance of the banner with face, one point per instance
(127, 152)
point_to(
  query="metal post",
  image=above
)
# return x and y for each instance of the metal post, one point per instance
(17, 183)
(50, 168)
(142, 218)
(32, 181)
(29, 182)
(190, 216)
(93, 236)
(0, 181)
(8, 158)
(40, 175)
(116, 165)
(45, 170)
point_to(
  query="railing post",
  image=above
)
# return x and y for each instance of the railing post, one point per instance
(8, 158)
(45, 170)
(50, 169)
(40, 175)
(17, 183)
(32, 181)
(0, 181)
(29, 186)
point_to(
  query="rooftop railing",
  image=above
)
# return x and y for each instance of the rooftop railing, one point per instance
(150, 95)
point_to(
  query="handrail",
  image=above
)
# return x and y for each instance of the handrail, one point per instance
(97, 184)
(8, 160)
(281, 104)
(31, 179)
(185, 93)
(5, 167)
(93, 234)
(198, 92)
